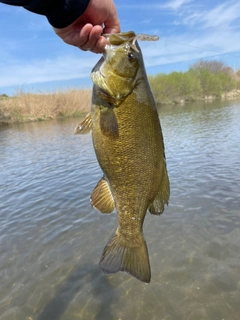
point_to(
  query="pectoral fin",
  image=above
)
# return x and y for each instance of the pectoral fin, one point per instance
(85, 126)
(102, 198)
(108, 123)
(162, 197)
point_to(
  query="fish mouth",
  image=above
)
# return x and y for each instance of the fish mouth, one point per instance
(101, 90)
(108, 97)
(105, 93)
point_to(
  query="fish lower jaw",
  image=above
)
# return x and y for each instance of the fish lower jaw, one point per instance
(105, 93)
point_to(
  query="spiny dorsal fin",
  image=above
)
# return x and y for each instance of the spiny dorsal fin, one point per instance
(85, 126)
(101, 197)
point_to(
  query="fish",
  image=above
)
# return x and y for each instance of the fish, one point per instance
(128, 142)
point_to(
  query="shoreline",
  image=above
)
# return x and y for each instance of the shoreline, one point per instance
(27, 107)
(231, 95)
(6, 121)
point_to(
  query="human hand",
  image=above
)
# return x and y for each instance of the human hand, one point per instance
(85, 32)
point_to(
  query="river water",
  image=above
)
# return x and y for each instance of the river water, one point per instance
(51, 239)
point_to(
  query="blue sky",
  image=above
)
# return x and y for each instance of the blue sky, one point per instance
(33, 58)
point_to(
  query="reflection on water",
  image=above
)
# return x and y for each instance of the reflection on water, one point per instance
(51, 239)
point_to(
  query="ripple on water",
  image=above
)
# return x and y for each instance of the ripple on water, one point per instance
(51, 239)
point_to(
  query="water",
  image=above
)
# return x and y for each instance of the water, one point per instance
(51, 239)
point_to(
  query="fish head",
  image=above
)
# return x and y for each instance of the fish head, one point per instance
(116, 74)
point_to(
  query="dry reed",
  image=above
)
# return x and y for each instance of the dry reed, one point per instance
(36, 107)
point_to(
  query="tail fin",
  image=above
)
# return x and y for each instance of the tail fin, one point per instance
(119, 256)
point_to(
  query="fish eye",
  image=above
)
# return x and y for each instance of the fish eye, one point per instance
(130, 56)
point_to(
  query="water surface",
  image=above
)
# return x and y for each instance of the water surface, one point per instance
(51, 239)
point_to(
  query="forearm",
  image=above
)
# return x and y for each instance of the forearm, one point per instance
(60, 13)
(79, 23)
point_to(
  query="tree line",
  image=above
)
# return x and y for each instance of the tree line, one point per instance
(203, 80)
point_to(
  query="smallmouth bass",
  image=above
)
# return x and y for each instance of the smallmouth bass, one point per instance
(128, 143)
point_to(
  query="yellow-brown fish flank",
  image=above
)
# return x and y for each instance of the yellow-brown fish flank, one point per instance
(128, 142)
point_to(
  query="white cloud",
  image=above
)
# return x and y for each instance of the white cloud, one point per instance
(147, 21)
(221, 16)
(185, 47)
(188, 30)
(172, 4)
(40, 71)
(172, 49)
(176, 4)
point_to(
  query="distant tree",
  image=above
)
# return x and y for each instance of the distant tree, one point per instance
(210, 83)
(175, 86)
(160, 87)
(204, 78)
(238, 73)
(3, 95)
(215, 76)
(213, 66)
(228, 82)
(190, 86)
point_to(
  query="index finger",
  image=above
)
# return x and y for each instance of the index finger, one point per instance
(112, 24)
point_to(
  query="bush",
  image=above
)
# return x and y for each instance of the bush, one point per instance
(175, 86)
(203, 79)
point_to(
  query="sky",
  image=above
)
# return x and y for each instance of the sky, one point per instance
(34, 59)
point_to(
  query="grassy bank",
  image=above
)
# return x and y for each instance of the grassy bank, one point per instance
(37, 107)
(203, 81)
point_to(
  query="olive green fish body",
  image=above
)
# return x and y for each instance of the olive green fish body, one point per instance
(133, 160)
(128, 142)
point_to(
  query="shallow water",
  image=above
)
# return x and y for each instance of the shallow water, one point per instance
(51, 239)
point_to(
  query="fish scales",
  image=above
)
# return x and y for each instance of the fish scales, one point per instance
(129, 146)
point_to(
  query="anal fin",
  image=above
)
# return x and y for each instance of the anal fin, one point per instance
(101, 197)
(162, 197)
